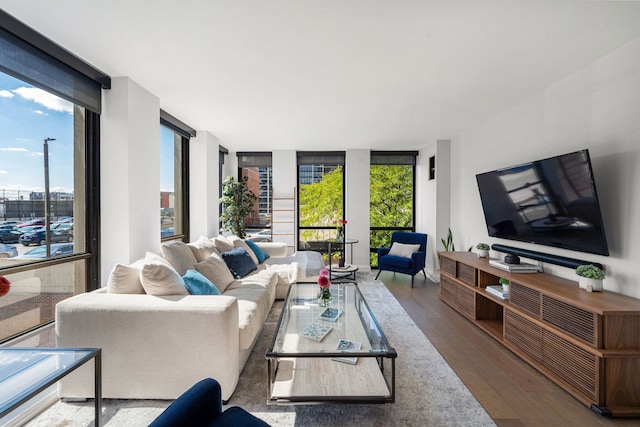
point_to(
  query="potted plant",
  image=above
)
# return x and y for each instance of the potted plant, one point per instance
(505, 284)
(590, 277)
(237, 203)
(483, 250)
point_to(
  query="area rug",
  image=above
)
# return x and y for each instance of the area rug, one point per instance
(428, 392)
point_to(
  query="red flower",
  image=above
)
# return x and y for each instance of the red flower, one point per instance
(5, 285)
(323, 281)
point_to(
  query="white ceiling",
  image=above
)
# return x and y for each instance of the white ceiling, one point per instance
(335, 74)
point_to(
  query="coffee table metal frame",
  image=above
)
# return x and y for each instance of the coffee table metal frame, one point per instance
(289, 345)
(67, 360)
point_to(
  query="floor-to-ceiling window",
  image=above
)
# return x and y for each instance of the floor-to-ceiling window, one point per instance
(257, 168)
(320, 198)
(392, 197)
(174, 175)
(49, 186)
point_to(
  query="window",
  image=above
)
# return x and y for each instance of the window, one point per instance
(320, 198)
(392, 197)
(174, 176)
(259, 172)
(49, 187)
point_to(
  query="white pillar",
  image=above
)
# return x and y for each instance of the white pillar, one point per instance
(204, 182)
(357, 168)
(129, 174)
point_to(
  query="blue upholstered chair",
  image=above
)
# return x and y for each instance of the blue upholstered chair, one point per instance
(201, 406)
(407, 263)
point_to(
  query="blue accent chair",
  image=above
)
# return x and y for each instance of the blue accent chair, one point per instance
(201, 406)
(411, 266)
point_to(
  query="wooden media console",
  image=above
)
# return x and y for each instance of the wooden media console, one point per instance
(587, 343)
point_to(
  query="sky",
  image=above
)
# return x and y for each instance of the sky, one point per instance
(28, 115)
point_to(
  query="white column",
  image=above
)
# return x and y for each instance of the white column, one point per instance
(357, 168)
(203, 185)
(284, 184)
(129, 173)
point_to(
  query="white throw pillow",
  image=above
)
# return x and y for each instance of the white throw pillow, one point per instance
(403, 250)
(202, 248)
(222, 244)
(239, 243)
(125, 279)
(216, 270)
(159, 278)
(179, 256)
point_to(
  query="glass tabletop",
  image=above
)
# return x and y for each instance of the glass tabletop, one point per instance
(25, 372)
(306, 329)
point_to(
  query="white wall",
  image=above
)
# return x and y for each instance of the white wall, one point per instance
(596, 108)
(433, 200)
(357, 164)
(203, 185)
(129, 174)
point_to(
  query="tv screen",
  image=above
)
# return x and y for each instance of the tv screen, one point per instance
(550, 202)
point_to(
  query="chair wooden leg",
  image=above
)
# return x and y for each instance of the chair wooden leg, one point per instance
(379, 271)
(412, 281)
(425, 274)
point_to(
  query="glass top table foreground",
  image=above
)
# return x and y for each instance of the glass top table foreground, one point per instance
(305, 369)
(26, 372)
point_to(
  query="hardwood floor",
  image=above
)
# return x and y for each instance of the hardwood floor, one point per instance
(512, 392)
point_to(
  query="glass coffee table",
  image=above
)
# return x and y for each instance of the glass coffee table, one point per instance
(26, 372)
(334, 354)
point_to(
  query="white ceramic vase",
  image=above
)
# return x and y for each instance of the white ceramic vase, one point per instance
(590, 285)
(483, 253)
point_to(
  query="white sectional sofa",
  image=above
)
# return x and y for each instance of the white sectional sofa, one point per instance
(157, 338)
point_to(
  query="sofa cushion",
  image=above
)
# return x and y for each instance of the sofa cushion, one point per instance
(253, 308)
(239, 243)
(216, 270)
(125, 279)
(259, 253)
(179, 256)
(202, 248)
(222, 244)
(403, 249)
(239, 262)
(158, 277)
(197, 284)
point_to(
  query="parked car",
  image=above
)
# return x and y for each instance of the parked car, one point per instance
(260, 236)
(57, 249)
(14, 223)
(8, 249)
(39, 221)
(10, 227)
(39, 237)
(9, 236)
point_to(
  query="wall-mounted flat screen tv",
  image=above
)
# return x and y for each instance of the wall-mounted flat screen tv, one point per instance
(550, 202)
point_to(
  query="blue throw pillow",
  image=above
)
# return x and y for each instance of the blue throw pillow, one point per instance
(259, 253)
(239, 262)
(197, 284)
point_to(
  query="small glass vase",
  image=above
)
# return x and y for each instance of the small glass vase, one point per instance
(324, 297)
(340, 234)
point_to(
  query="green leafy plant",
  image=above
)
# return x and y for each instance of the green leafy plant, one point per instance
(590, 271)
(503, 281)
(237, 202)
(448, 244)
(482, 246)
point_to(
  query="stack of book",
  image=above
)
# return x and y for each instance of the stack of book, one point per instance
(515, 268)
(498, 291)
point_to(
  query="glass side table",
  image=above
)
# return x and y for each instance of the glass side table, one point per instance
(349, 270)
(26, 372)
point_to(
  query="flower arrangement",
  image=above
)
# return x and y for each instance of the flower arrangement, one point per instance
(340, 223)
(5, 286)
(324, 294)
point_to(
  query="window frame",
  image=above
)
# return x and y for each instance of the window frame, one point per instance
(395, 158)
(316, 158)
(44, 64)
(258, 159)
